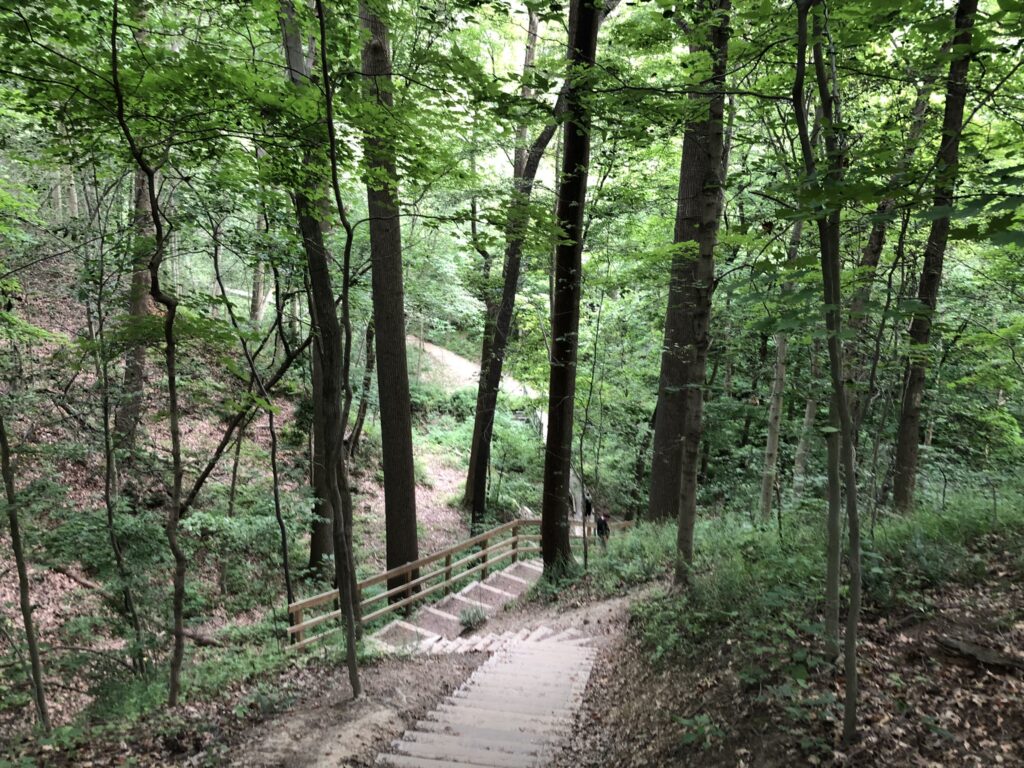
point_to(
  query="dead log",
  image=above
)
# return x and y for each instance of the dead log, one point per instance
(979, 654)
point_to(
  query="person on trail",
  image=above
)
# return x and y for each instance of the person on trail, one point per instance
(603, 529)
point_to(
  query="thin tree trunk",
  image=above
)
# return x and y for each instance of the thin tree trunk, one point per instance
(946, 165)
(499, 310)
(259, 293)
(328, 356)
(828, 221)
(73, 210)
(25, 599)
(807, 426)
(803, 445)
(278, 512)
(640, 467)
(110, 493)
(833, 533)
(769, 474)
(389, 309)
(679, 424)
(584, 21)
(872, 253)
(364, 393)
(751, 399)
(516, 227)
(236, 460)
(170, 306)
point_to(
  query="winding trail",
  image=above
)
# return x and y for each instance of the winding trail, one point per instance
(456, 372)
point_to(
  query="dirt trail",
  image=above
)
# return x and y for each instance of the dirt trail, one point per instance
(454, 371)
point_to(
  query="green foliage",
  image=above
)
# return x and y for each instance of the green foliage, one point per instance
(472, 618)
(700, 731)
(236, 143)
(764, 598)
(634, 556)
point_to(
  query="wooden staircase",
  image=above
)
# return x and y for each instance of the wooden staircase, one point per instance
(513, 712)
(495, 567)
(438, 628)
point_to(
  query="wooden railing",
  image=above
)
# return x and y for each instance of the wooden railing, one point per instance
(445, 568)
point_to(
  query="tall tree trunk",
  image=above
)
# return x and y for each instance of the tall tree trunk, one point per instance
(25, 598)
(499, 310)
(492, 362)
(321, 534)
(331, 476)
(330, 390)
(584, 21)
(828, 221)
(308, 215)
(679, 423)
(389, 308)
(128, 413)
(769, 475)
(946, 167)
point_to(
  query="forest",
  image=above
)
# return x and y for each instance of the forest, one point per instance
(305, 299)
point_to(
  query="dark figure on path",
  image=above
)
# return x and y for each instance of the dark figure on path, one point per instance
(603, 529)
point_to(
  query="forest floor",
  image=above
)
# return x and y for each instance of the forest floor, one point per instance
(922, 703)
(326, 729)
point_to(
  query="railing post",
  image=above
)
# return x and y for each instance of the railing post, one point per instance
(357, 597)
(448, 573)
(515, 543)
(483, 572)
(300, 635)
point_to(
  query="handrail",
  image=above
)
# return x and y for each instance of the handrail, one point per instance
(401, 570)
(490, 555)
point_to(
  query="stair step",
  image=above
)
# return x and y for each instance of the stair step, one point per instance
(401, 633)
(507, 582)
(539, 634)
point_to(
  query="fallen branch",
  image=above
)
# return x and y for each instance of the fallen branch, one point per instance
(980, 654)
(82, 581)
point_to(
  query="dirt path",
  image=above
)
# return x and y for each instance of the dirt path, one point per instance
(454, 371)
(327, 729)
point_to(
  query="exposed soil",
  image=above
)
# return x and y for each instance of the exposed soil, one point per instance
(327, 728)
(453, 371)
